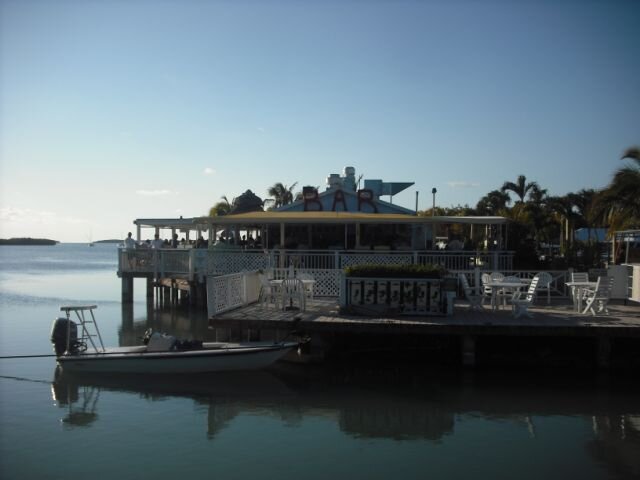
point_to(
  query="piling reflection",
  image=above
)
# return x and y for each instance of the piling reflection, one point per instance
(181, 323)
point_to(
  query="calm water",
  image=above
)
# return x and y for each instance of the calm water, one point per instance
(349, 422)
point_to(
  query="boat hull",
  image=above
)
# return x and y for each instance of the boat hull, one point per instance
(192, 361)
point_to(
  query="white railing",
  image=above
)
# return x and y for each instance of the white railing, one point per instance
(225, 262)
(634, 283)
(201, 262)
(327, 280)
(494, 261)
(227, 292)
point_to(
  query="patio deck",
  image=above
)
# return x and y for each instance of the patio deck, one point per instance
(325, 311)
(557, 321)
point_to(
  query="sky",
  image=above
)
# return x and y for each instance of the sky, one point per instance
(117, 110)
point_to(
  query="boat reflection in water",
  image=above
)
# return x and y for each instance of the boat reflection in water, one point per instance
(389, 404)
(226, 394)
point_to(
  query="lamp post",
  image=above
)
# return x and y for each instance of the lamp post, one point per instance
(434, 190)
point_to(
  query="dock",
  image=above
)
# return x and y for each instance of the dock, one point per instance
(556, 335)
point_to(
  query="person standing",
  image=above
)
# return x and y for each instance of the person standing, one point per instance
(129, 243)
(157, 242)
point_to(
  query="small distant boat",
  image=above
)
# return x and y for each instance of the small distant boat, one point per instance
(161, 354)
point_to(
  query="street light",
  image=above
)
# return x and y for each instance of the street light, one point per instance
(434, 190)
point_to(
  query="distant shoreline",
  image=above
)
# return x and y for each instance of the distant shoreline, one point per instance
(27, 241)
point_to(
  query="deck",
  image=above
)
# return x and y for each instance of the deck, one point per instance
(557, 321)
(325, 312)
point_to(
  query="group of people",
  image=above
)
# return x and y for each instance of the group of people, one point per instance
(243, 242)
(157, 242)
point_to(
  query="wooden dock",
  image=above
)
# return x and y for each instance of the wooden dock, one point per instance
(478, 337)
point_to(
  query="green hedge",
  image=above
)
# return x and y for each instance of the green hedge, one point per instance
(396, 271)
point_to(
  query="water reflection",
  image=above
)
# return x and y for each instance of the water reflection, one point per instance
(226, 395)
(387, 404)
(179, 322)
(616, 443)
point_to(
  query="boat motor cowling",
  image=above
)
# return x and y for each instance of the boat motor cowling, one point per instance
(59, 334)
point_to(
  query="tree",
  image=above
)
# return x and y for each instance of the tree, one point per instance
(563, 210)
(220, 208)
(493, 203)
(281, 194)
(520, 187)
(621, 199)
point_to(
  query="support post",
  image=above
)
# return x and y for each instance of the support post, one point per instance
(149, 289)
(127, 289)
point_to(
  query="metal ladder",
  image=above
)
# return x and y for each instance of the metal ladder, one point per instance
(88, 325)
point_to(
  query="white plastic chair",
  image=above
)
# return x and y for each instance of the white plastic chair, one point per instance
(486, 291)
(269, 293)
(293, 290)
(577, 277)
(497, 276)
(309, 286)
(544, 284)
(521, 301)
(598, 298)
(475, 301)
(506, 293)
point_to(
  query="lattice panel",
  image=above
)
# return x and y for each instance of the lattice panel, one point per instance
(327, 282)
(222, 263)
(175, 261)
(224, 293)
(327, 279)
(350, 259)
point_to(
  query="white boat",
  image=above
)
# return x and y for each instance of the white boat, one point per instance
(161, 354)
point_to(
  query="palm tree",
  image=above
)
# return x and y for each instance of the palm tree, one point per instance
(563, 209)
(282, 194)
(623, 193)
(520, 187)
(220, 208)
(493, 203)
(619, 203)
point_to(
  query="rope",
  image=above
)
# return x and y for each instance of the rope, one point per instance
(23, 379)
(28, 356)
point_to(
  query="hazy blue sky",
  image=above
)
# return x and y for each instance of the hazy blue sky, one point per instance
(116, 110)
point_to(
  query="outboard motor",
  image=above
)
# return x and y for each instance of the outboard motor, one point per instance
(59, 334)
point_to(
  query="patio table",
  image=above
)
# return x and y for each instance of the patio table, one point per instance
(496, 286)
(577, 290)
